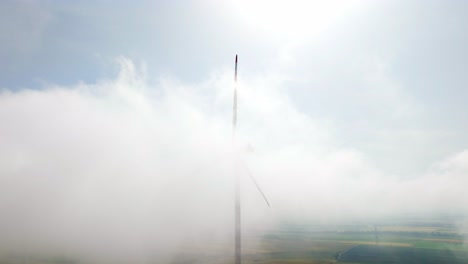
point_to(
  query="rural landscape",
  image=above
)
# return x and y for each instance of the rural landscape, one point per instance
(395, 241)
(387, 241)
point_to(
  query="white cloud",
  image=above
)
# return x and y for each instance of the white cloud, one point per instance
(123, 168)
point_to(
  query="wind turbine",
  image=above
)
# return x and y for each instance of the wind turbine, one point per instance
(237, 206)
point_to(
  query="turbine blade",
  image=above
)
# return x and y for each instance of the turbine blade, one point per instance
(256, 184)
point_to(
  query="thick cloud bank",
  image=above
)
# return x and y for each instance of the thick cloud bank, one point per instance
(122, 168)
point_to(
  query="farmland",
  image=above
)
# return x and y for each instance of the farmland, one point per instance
(392, 254)
(407, 243)
(387, 242)
(410, 242)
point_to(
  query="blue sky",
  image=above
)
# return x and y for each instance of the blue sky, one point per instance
(101, 98)
(387, 73)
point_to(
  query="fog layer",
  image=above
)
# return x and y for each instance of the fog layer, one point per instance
(125, 169)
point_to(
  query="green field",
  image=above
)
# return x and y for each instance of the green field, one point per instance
(408, 255)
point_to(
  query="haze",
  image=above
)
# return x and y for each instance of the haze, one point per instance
(115, 119)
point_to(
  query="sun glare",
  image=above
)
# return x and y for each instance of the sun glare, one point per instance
(293, 17)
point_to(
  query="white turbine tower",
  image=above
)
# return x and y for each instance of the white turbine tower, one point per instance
(237, 212)
(237, 207)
